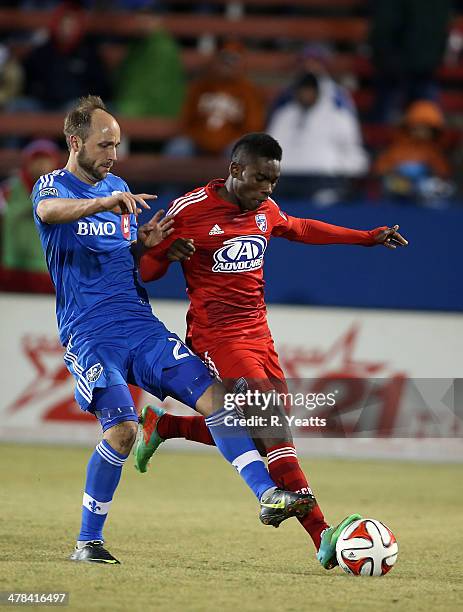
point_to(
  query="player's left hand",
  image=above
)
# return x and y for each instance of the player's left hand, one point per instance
(156, 230)
(181, 249)
(389, 237)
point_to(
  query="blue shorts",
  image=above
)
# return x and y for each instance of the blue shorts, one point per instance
(142, 353)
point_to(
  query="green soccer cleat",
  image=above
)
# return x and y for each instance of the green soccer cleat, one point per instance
(327, 552)
(148, 437)
(280, 505)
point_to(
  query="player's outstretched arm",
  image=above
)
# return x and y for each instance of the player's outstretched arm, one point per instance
(312, 231)
(66, 210)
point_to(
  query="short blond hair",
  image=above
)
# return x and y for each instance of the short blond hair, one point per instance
(79, 119)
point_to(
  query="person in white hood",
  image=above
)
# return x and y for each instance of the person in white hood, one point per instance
(320, 134)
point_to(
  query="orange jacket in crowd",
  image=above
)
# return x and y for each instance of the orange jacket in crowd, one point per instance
(219, 112)
(411, 146)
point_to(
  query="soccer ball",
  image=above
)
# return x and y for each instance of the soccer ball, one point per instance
(366, 547)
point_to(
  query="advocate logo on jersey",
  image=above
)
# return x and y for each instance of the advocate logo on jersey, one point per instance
(48, 191)
(261, 222)
(90, 228)
(240, 254)
(125, 226)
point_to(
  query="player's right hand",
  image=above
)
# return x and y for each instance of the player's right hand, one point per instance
(181, 249)
(125, 202)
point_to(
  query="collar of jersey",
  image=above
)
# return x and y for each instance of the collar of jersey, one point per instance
(74, 178)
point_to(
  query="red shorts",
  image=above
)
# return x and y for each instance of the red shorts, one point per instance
(256, 363)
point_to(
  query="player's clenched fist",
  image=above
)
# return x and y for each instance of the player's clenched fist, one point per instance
(181, 249)
(125, 202)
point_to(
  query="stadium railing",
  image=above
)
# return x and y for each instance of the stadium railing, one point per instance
(140, 166)
(303, 28)
(143, 167)
(196, 25)
(263, 66)
(269, 68)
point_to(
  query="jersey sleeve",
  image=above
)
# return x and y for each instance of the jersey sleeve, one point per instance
(47, 187)
(281, 222)
(312, 231)
(124, 187)
(154, 263)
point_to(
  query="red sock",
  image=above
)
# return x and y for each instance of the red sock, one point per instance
(286, 472)
(189, 427)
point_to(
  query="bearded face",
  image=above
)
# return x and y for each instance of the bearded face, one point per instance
(95, 166)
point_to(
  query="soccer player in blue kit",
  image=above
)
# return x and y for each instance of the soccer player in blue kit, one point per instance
(87, 221)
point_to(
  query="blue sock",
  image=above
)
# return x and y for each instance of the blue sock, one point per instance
(235, 444)
(103, 474)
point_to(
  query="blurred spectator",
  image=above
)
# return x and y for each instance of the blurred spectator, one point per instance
(67, 65)
(320, 136)
(408, 41)
(315, 58)
(23, 266)
(221, 106)
(414, 167)
(162, 92)
(11, 78)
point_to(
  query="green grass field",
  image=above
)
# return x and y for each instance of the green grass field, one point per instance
(189, 539)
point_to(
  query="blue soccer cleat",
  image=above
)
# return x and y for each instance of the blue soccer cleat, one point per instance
(327, 552)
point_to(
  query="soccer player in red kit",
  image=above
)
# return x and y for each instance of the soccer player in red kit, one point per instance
(221, 234)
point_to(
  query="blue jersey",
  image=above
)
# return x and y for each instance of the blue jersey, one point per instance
(90, 260)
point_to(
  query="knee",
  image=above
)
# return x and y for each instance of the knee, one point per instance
(128, 434)
(212, 399)
(122, 436)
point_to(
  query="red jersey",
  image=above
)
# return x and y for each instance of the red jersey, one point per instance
(224, 277)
